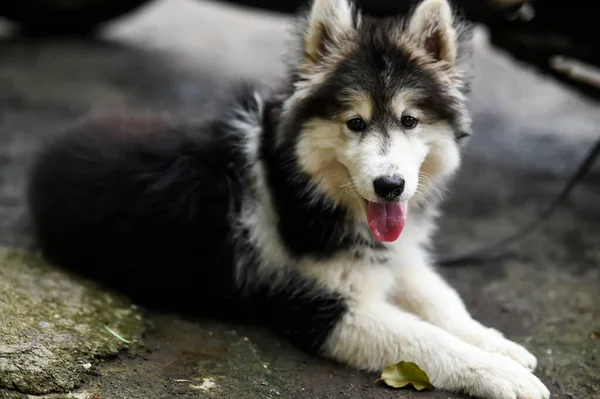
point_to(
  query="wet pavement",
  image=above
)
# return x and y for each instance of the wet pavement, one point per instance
(175, 56)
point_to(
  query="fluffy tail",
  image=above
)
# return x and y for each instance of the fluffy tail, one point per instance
(139, 204)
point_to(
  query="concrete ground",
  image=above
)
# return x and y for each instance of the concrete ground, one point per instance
(175, 56)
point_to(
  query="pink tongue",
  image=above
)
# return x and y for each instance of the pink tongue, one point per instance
(386, 220)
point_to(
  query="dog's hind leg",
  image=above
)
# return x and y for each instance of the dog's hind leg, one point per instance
(374, 335)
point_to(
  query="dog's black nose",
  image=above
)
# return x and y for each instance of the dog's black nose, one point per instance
(389, 187)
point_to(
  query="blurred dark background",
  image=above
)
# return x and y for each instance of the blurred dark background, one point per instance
(533, 31)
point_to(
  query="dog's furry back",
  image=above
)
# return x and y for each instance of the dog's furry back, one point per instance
(146, 205)
(138, 202)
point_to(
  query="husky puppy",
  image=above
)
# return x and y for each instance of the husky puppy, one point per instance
(307, 207)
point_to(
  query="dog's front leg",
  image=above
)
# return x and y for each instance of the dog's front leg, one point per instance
(374, 335)
(420, 290)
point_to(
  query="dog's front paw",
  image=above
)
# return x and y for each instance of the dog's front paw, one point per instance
(515, 352)
(499, 377)
(493, 341)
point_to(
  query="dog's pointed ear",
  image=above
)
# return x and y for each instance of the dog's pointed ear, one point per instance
(329, 24)
(432, 26)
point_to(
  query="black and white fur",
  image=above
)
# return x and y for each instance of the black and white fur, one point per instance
(258, 213)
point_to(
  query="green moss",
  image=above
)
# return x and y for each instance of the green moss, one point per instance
(52, 326)
(203, 360)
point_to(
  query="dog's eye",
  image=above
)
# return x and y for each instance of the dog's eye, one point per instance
(356, 124)
(409, 122)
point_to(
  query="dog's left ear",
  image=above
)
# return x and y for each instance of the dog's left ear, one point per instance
(432, 26)
(330, 24)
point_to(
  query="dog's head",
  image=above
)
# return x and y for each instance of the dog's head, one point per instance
(381, 106)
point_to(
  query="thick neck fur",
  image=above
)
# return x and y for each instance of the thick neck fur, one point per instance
(309, 221)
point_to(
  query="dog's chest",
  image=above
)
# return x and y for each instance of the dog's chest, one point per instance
(360, 273)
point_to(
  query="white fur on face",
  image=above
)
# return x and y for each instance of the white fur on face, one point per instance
(376, 156)
(345, 163)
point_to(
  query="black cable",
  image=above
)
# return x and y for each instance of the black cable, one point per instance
(501, 246)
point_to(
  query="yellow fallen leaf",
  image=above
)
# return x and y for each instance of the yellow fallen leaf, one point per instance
(405, 373)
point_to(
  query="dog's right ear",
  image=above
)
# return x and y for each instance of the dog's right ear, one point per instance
(330, 25)
(432, 27)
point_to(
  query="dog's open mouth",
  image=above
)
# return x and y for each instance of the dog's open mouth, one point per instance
(386, 219)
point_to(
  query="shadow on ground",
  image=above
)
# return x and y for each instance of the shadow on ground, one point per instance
(176, 57)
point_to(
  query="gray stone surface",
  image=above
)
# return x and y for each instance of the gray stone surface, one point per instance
(54, 329)
(176, 56)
